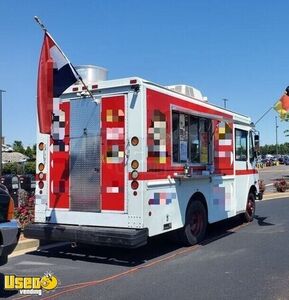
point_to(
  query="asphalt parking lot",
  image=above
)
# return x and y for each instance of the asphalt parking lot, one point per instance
(236, 261)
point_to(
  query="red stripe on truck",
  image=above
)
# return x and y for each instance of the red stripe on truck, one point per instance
(246, 172)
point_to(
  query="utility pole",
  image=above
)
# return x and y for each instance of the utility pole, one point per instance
(225, 102)
(1, 92)
(276, 135)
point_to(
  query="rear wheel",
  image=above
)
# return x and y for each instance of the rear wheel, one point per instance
(195, 227)
(250, 208)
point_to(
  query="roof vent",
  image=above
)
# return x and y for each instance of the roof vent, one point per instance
(90, 73)
(188, 91)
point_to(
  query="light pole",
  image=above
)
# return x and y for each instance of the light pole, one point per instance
(1, 92)
(276, 135)
(225, 102)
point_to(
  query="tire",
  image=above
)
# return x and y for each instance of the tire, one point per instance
(3, 259)
(195, 227)
(250, 208)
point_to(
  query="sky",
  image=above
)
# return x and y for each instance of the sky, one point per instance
(228, 49)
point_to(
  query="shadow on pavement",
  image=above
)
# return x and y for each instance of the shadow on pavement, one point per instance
(261, 221)
(155, 248)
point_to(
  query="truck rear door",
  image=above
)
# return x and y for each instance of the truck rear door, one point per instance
(88, 164)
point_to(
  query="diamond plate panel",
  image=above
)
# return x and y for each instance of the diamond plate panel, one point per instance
(84, 156)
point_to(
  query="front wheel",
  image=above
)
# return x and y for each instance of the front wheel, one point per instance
(195, 227)
(250, 208)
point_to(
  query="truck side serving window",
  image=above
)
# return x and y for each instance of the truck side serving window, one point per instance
(190, 138)
(241, 145)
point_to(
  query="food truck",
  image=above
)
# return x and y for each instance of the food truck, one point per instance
(139, 159)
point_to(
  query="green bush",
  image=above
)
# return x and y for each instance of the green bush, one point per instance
(20, 169)
(25, 212)
(280, 185)
(30, 167)
(10, 168)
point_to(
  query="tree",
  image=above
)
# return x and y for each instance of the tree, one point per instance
(18, 147)
(34, 149)
(29, 152)
(30, 167)
(271, 149)
(10, 168)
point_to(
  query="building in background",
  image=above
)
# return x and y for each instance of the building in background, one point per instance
(10, 156)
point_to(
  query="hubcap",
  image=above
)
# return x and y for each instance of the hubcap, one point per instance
(250, 207)
(197, 223)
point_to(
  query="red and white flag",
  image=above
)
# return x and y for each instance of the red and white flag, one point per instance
(55, 75)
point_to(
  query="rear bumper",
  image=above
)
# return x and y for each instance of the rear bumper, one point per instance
(102, 236)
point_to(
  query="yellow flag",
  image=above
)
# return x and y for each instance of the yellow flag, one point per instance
(282, 107)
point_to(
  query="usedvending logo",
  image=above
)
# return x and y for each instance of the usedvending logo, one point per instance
(30, 285)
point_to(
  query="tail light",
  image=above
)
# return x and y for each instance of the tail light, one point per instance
(10, 214)
(134, 164)
(41, 146)
(41, 184)
(41, 167)
(134, 185)
(134, 174)
(134, 141)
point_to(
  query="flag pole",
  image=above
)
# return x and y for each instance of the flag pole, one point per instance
(40, 24)
(264, 114)
(37, 19)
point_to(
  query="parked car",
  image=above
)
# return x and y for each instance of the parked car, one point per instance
(281, 160)
(9, 229)
(286, 161)
(274, 161)
(267, 162)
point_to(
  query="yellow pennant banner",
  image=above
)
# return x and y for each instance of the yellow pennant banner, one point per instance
(282, 107)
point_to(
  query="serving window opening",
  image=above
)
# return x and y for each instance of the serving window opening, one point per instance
(191, 138)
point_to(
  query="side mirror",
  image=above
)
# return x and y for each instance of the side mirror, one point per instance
(257, 143)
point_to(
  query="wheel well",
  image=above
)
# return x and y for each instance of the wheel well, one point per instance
(198, 196)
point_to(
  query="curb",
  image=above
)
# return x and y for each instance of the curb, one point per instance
(275, 195)
(26, 244)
